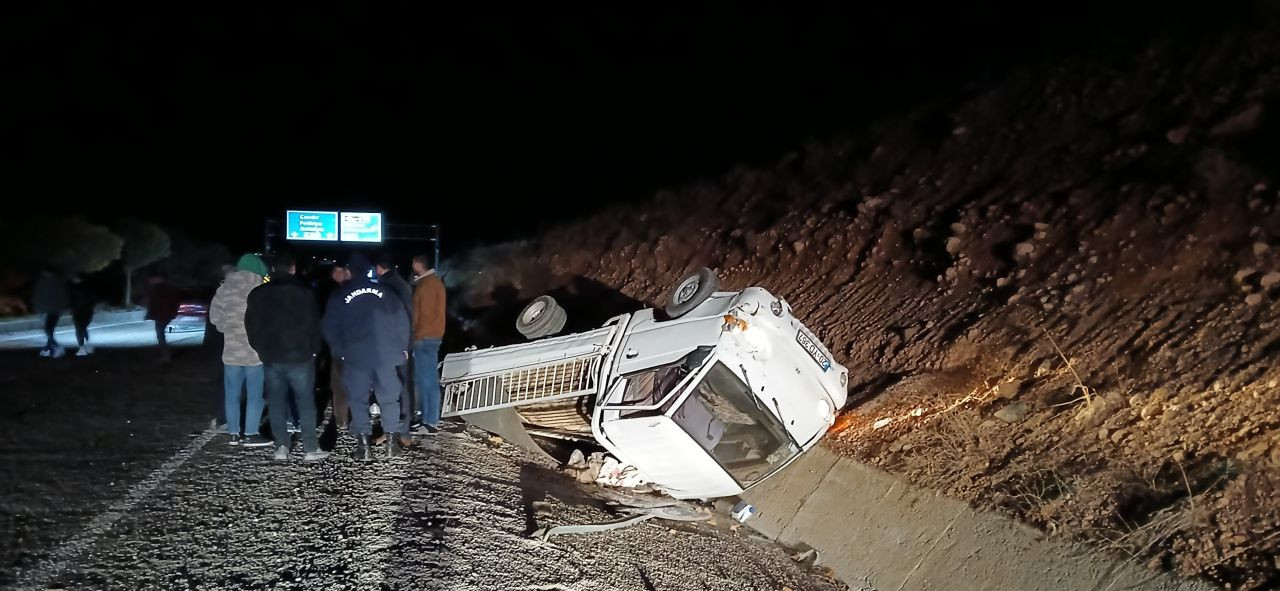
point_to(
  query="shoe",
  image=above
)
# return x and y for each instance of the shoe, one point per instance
(362, 453)
(89, 348)
(82, 352)
(394, 447)
(425, 429)
(235, 440)
(58, 352)
(255, 441)
(217, 427)
(282, 453)
(46, 352)
(315, 456)
(292, 428)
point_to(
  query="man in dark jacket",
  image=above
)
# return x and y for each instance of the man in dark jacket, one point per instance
(283, 325)
(387, 275)
(50, 299)
(367, 328)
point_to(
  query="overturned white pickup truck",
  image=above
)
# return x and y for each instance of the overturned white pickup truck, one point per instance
(720, 394)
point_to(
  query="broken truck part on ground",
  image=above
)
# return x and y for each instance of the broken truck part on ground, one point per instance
(705, 399)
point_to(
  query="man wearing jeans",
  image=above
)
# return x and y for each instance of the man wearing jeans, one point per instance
(283, 326)
(242, 369)
(428, 330)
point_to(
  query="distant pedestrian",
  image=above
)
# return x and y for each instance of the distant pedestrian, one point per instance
(428, 331)
(50, 300)
(162, 308)
(83, 301)
(282, 322)
(367, 328)
(242, 369)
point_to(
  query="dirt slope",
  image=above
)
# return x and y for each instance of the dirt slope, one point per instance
(1056, 295)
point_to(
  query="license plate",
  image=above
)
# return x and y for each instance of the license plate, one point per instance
(812, 349)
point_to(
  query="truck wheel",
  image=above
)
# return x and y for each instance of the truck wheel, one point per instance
(542, 317)
(557, 323)
(691, 291)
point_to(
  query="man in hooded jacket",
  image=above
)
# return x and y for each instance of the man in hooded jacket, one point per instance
(242, 369)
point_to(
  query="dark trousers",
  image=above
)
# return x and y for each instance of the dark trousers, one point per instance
(292, 384)
(386, 390)
(405, 374)
(161, 328)
(50, 323)
(341, 412)
(82, 322)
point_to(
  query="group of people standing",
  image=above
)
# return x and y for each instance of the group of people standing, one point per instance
(383, 336)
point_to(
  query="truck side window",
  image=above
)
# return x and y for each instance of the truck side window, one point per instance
(649, 386)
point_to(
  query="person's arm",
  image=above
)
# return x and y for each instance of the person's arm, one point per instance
(217, 309)
(435, 303)
(314, 334)
(400, 325)
(418, 324)
(332, 327)
(254, 317)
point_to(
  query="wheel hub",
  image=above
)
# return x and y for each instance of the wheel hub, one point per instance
(535, 311)
(687, 290)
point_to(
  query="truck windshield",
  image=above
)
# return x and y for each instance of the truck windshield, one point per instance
(726, 419)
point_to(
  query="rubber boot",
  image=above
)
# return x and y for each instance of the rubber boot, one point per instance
(363, 452)
(393, 445)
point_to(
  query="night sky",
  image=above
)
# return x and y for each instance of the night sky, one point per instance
(435, 115)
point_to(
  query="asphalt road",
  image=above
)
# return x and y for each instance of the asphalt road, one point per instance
(109, 479)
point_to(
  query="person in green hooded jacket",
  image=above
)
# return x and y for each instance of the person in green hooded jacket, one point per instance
(242, 369)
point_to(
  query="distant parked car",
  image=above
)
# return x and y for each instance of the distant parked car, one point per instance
(193, 309)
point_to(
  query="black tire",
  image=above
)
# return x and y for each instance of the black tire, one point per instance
(691, 291)
(541, 317)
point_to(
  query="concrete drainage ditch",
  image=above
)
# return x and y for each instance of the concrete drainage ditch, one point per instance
(876, 531)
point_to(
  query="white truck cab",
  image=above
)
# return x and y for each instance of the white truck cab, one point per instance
(715, 398)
